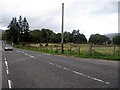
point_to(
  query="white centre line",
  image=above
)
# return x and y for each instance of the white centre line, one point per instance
(26, 54)
(20, 51)
(51, 63)
(31, 56)
(78, 73)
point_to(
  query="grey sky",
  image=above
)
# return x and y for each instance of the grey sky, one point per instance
(89, 16)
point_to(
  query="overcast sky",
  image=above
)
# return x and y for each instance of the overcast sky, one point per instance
(89, 16)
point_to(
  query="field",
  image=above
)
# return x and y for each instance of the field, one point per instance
(110, 52)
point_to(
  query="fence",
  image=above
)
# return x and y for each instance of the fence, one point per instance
(80, 49)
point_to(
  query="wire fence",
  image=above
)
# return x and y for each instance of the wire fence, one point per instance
(79, 49)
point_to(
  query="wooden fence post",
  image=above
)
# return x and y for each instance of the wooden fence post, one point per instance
(79, 51)
(90, 49)
(51, 49)
(114, 50)
(118, 49)
(70, 50)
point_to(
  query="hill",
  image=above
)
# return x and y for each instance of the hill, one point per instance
(111, 35)
(1, 33)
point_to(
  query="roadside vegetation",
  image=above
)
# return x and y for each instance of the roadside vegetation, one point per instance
(47, 41)
(77, 50)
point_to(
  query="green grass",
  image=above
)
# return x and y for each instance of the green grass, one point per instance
(106, 53)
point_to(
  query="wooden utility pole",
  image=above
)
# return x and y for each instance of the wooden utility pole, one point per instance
(62, 28)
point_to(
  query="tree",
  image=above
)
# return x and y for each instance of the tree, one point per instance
(67, 37)
(45, 34)
(82, 38)
(78, 37)
(116, 40)
(13, 27)
(25, 30)
(53, 38)
(99, 39)
(35, 36)
(19, 30)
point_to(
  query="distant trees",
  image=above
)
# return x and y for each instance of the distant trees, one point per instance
(99, 39)
(67, 37)
(116, 40)
(48, 36)
(74, 37)
(35, 36)
(77, 37)
(18, 30)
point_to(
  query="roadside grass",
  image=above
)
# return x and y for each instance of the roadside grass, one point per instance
(106, 53)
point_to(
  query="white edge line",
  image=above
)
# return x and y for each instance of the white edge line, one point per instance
(7, 71)
(9, 84)
(6, 63)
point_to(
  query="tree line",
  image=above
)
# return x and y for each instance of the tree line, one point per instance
(19, 32)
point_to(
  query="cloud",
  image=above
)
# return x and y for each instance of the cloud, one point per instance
(90, 16)
(106, 8)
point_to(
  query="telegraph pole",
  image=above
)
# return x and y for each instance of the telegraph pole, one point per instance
(62, 28)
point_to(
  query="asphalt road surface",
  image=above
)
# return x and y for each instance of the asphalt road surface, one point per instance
(0, 65)
(29, 69)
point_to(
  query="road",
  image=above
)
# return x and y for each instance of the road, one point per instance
(29, 69)
(0, 65)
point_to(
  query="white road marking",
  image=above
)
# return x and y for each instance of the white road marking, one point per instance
(78, 73)
(31, 56)
(6, 63)
(25, 54)
(6, 67)
(51, 63)
(48, 54)
(59, 66)
(65, 68)
(9, 84)
(20, 51)
(7, 71)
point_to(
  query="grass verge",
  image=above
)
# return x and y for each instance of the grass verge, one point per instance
(73, 53)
